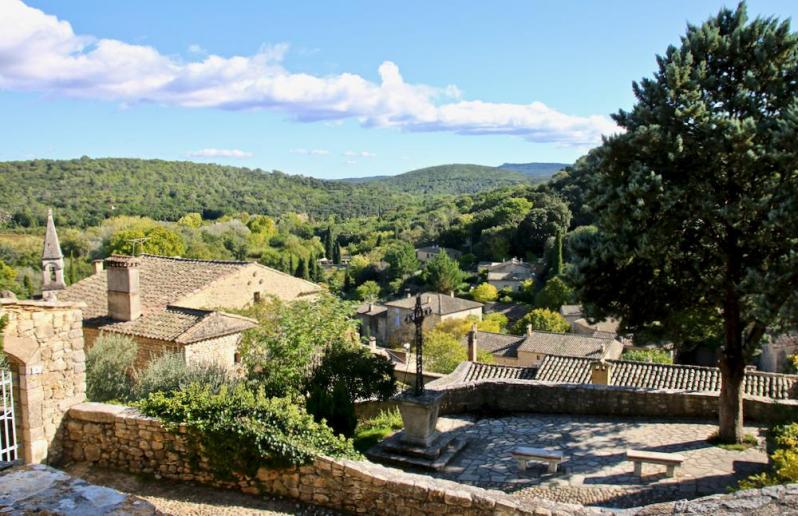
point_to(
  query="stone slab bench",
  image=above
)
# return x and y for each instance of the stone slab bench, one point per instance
(670, 460)
(523, 455)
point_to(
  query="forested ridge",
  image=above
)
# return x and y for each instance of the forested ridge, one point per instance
(86, 191)
(454, 179)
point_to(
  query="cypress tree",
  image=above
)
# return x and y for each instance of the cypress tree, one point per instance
(337, 253)
(302, 269)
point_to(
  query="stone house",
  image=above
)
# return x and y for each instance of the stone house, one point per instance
(425, 254)
(579, 323)
(169, 304)
(509, 274)
(443, 306)
(531, 349)
(373, 322)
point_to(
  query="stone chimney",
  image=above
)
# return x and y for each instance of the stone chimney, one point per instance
(124, 297)
(451, 293)
(601, 373)
(528, 330)
(373, 344)
(97, 265)
(472, 344)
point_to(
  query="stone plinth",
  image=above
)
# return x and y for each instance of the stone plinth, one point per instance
(420, 415)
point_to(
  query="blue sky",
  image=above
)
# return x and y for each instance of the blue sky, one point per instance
(328, 89)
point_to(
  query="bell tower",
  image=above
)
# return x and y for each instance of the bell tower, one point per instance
(52, 262)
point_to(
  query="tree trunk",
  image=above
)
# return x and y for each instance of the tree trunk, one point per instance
(730, 403)
(732, 369)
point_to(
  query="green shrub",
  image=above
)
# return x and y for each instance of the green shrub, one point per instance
(784, 460)
(170, 372)
(542, 319)
(334, 408)
(654, 356)
(240, 430)
(109, 368)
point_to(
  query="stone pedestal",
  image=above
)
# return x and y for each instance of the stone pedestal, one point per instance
(420, 415)
(419, 444)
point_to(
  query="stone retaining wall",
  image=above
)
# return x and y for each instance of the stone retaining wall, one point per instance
(121, 438)
(589, 399)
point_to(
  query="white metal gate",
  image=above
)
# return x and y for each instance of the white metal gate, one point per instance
(8, 431)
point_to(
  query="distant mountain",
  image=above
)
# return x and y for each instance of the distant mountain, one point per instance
(453, 179)
(536, 170)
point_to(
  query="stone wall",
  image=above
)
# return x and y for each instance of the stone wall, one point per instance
(221, 350)
(44, 343)
(121, 438)
(532, 396)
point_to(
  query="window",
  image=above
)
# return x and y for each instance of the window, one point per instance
(237, 358)
(256, 297)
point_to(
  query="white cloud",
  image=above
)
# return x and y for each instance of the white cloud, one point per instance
(310, 152)
(351, 162)
(39, 52)
(220, 153)
(361, 154)
(196, 49)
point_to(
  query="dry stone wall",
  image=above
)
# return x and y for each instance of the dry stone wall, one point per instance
(121, 438)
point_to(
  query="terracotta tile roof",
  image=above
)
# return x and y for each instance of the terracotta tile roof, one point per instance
(665, 376)
(478, 371)
(513, 311)
(163, 281)
(566, 310)
(569, 344)
(181, 325)
(441, 304)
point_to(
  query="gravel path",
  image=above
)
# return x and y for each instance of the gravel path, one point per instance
(181, 498)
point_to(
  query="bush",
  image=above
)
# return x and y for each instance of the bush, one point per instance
(109, 368)
(784, 460)
(485, 292)
(443, 352)
(368, 291)
(653, 356)
(347, 373)
(554, 294)
(542, 319)
(240, 430)
(170, 372)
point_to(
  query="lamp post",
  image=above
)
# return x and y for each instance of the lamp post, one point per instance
(417, 317)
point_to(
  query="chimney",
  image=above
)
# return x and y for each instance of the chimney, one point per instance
(601, 373)
(472, 344)
(451, 293)
(528, 330)
(97, 265)
(373, 344)
(124, 298)
(371, 307)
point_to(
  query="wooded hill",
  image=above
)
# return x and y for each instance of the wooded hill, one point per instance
(454, 179)
(86, 191)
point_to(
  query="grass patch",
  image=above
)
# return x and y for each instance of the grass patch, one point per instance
(371, 431)
(749, 441)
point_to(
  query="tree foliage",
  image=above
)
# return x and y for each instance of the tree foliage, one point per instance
(485, 292)
(442, 273)
(542, 319)
(696, 203)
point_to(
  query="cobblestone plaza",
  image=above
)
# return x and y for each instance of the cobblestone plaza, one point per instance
(595, 470)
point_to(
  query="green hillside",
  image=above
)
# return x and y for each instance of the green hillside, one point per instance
(85, 191)
(452, 179)
(535, 170)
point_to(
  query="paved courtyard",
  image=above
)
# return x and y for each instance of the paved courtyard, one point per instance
(595, 470)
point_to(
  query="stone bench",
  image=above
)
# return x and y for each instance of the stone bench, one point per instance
(670, 460)
(523, 455)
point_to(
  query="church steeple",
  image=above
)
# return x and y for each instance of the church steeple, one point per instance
(52, 261)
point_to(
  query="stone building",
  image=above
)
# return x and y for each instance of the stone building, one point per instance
(509, 274)
(444, 307)
(373, 322)
(531, 349)
(172, 304)
(425, 254)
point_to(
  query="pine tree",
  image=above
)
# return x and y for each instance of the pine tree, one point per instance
(696, 199)
(302, 270)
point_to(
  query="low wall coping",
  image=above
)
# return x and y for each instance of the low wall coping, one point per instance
(97, 412)
(6, 302)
